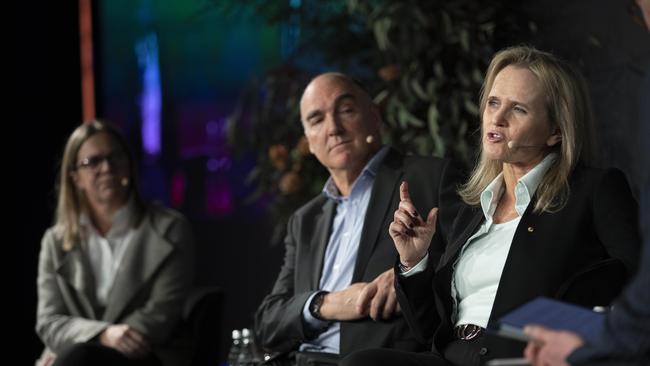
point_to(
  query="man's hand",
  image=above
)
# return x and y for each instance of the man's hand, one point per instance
(411, 234)
(378, 298)
(549, 347)
(126, 340)
(341, 305)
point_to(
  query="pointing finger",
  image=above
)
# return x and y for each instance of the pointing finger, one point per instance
(404, 192)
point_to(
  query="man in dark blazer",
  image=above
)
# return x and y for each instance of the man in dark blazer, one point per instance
(335, 293)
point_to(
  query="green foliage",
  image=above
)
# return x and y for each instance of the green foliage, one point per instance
(425, 59)
(434, 55)
(267, 120)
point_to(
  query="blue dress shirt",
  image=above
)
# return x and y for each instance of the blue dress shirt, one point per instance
(342, 248)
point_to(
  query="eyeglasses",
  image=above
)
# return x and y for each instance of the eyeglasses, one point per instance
(94, 162)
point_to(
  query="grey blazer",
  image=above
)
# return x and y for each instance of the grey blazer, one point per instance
(147, 294)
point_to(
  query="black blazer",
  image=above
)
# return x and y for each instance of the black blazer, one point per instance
(599, 221)
(278, 321)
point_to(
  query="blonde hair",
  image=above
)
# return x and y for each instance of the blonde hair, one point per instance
(568, 108)
(71, 202)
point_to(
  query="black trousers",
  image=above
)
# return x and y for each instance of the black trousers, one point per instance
(456, 353)
(97, 354)
(304, 359)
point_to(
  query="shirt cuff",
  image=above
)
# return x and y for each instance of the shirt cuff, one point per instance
(309, 320)
(420, 267)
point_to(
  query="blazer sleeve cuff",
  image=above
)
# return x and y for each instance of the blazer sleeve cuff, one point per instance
(418, 268)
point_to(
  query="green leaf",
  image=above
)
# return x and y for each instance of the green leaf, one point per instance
(439, 71)
(453, 105)
(422, 145)
(471, 107)
(353, 5)
(434, 131)
(462, 129)
(477, 76)
(432, 117)
(406, 90)
(417, 88)
(381, 96)
(594, 41)
(413, 120)
(402, 117)
(447, 26)
(422, 19)
(464, 80)
(407, 136)
(431, 89)
(464, 40)
(381, 28)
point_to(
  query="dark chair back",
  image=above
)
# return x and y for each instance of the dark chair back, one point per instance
(197, 339)
(596, 285)
(202, 316)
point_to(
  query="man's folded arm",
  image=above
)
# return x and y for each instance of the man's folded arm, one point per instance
(279, 321)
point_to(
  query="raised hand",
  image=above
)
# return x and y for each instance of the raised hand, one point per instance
(410, 232)
(126, 340)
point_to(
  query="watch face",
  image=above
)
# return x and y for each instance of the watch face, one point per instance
(314, 307)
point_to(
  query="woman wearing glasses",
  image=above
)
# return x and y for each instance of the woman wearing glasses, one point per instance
(113, 271)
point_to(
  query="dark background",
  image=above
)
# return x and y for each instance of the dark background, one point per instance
(232, 238)
(46, 107)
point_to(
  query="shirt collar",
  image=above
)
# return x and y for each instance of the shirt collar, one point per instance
(122, 219)
(524, 189)
(370, 170)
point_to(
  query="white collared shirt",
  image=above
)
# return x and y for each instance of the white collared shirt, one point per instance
(478, 267)
(105, 253)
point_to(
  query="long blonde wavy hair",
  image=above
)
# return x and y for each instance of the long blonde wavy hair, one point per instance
(568, 108)
(71, 202)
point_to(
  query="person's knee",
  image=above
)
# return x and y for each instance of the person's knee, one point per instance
(367, 357)
(76, 354)
(83, 354)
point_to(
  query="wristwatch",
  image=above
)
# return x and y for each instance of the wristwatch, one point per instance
(403, 268)
(316, 302)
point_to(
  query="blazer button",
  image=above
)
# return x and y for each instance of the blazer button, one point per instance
(483, 351)
(531, 229)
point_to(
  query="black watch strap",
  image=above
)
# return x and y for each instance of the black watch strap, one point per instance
(316, 302)
(403, 268)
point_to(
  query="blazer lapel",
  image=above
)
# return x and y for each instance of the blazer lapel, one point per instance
(146, 252)
(322, 228)
(384, 192)
(75, 269)
(518, 256)
(471, 219)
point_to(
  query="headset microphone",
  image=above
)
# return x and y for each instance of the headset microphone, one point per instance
(512, 144)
